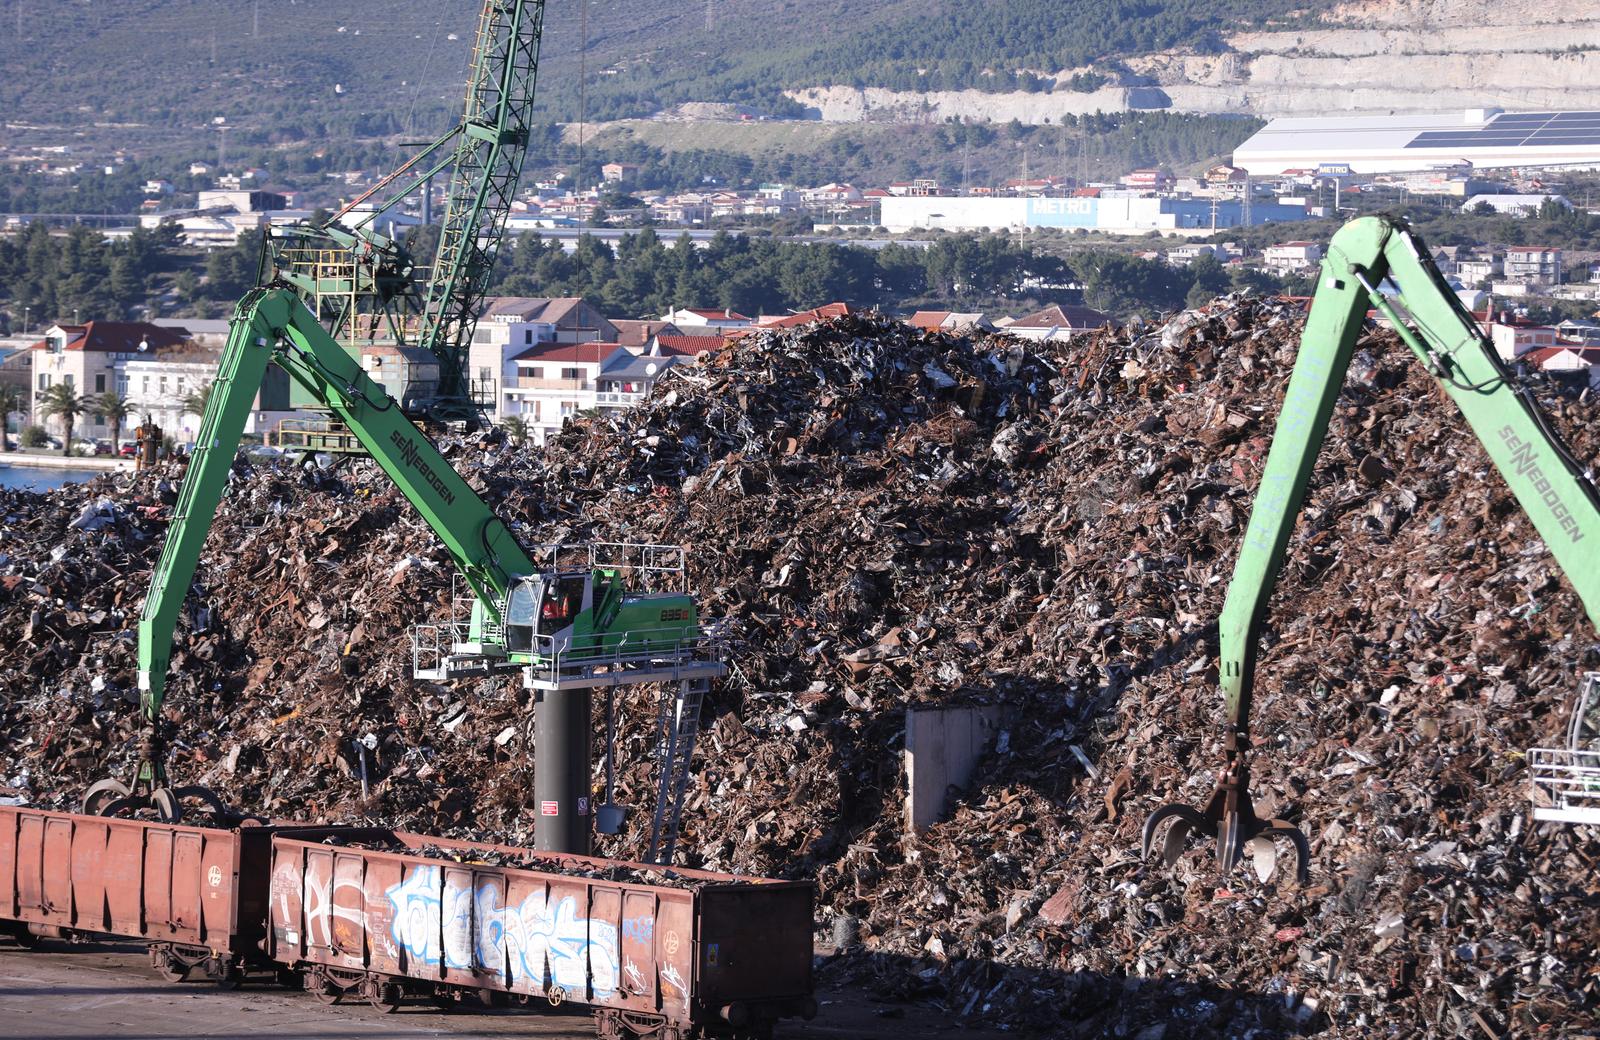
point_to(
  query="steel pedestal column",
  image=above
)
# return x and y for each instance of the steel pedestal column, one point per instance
(562, 748)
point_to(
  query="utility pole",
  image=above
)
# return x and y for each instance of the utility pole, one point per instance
(583, 84)
(255, 19)
(710, 21)
(966, 166)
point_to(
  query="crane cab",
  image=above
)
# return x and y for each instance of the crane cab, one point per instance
(590, 616)
(542, 612)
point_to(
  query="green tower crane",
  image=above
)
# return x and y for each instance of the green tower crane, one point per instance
(364, 285)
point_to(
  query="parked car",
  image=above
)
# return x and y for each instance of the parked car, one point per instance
(128, 450)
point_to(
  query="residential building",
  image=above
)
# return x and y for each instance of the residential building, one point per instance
(678, 345)
(1513, 339)
(1533, 264)
(555, 381)
(1475, 270)
(636, 335)
(1148, 179)
(510, 326)
(207, 332)
(789, 321)
(626, 378)
(1057, 322)
(919, 188)
(1578, 366)
(165, 386)
(1289, 257)
(1586, 333)
(1188, 254)
(689, 317)
(616, 172)
(831, 195)
(89, 358)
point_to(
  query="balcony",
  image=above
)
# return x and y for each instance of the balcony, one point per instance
(619, 399)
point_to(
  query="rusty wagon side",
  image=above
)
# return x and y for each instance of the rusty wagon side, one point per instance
(175, 887)
(664, 955)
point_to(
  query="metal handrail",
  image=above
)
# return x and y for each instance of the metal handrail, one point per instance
(1569, 778)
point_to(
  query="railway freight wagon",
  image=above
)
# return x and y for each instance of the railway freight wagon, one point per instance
(657, 953)
(664, 954)
(195, 895)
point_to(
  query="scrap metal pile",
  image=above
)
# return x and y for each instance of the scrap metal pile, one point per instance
(884, 518)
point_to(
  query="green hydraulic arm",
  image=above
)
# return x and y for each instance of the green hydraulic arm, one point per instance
(272, 326)
(1552, 487)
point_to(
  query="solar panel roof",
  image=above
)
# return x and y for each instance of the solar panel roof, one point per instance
(1518, 130)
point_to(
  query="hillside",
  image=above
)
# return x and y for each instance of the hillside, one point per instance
(293, 69)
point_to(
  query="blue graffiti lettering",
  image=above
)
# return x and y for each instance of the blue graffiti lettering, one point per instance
(531, 941)
(639, 929)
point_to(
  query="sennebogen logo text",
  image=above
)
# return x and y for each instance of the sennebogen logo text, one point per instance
(1528, 466)
(408, 452)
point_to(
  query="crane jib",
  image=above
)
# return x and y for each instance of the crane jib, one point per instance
(1527, 466)
(408, 453)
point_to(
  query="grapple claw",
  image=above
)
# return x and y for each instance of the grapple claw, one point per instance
(1184, 820)
(1230, 819)
(1263, 856)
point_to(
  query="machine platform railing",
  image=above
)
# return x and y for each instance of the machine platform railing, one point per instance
(441, 651)
(325, 435)
(646, 567)
(1565, 784)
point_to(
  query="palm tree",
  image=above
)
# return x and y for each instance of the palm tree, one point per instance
(11, 400)
(60, 401)
(516, 428)
(195, 401)
(116, 409)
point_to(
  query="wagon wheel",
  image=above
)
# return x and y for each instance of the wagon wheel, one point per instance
(323, 988)
(172, 969)
(385, 996)
(209, 799)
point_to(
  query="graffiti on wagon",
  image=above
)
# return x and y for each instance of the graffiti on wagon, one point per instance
(537, 939)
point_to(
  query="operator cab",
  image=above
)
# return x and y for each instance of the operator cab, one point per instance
(542, 608)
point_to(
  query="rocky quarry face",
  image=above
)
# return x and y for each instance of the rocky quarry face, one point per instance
(884, 518)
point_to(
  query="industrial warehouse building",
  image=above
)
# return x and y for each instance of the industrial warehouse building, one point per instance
(1485, 138)
(1128, 215)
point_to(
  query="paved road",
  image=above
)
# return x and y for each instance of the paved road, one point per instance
(61, 992)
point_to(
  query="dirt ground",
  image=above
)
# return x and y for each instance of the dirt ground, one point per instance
(59, 991)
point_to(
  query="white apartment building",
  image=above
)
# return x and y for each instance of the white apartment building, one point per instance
(159, 386)
(1292, 256)
(510, 326)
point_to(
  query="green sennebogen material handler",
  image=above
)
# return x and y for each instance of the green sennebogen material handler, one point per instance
(567, 620)
(1555, 490)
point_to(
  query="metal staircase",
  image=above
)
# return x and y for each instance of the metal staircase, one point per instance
(677, 725)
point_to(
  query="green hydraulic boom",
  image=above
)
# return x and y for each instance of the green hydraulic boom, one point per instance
(1554, 490)
(566, 628)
